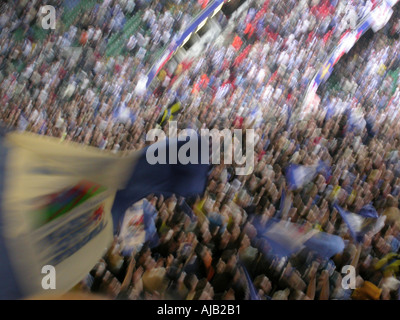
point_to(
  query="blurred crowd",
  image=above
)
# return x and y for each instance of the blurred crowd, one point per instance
(258, 83)
(67, 85)
(354, 131)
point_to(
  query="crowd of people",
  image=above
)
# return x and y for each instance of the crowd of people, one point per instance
(258, 84)
(364, 165)
(67, 85)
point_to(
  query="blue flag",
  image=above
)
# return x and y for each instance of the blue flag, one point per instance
(61, 202)
(298, 176)
(252, 290)
(284, 238)
(187, 180)
(360, 225)
(139, 227)
(368, 211)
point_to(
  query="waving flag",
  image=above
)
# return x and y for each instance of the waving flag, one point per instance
(284, 238)
(55, 209)
(252, 290)
(138, 227)
(360, 225)
(170, 112)
(298, 176)
(325, 244)
(62, 202)
(187, 180)
(368, 211)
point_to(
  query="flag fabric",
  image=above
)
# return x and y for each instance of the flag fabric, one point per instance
(169, 113)
(298, 176)
(55, 209)
(325, 244)
(187, 180)
(368, 211)
(359, 225)
(389, 263)
(123, 114)
(284, 238)
(61, 204)
(9, 284)
(139, 227)
(253, 295)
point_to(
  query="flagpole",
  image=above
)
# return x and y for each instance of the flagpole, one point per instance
(354, 262)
